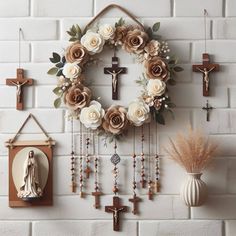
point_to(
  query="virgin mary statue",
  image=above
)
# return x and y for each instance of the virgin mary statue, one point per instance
(30, 187)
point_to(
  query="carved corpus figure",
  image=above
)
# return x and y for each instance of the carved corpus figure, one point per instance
(18, 89)
(30, 188)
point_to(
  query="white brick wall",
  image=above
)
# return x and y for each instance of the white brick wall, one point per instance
(44, 23)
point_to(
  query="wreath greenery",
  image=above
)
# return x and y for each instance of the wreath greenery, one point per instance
(154, 54)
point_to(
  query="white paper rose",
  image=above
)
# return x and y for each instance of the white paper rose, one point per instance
(138, 112)
(156, 87)
(71, 70)
(92, 115)
(93, 42)
(107, 31)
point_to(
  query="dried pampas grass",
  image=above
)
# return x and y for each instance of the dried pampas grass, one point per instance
(193, 151)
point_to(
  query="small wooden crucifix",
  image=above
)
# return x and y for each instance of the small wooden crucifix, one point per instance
(115, 71)
(116, 209)
(97, 195)
(20, 81)
(208, 108)
(135, 200)
(206, 68)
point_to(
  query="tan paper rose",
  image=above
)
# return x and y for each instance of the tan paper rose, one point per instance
(76, 53)
(135, 41)
(120, 33)
(156, 68)
(115, 120)
(77, 97)
(152, 48)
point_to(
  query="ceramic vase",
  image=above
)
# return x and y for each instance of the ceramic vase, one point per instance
(194, 190)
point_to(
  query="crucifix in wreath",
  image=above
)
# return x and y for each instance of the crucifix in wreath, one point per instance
(115, 71)
(206, 68)
(20, 81)
(116, 209)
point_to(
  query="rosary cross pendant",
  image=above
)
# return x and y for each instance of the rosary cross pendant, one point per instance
(115, 71)
(208, 108)
(206, 68)
(20, 81)
(116, 209)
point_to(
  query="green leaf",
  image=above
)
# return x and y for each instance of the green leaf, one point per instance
(52, 71)
(160, 118)
(171, 113)
(120, 22)
(149, 32)
(178, 69)
(59, 65)
(57, 103)
(72, 34)
(57, 91)
(63, 60)
(73, 39)
(171, 82)
(73, 29)
(156, 27)
(56, 57)
(59, 73)
(171, 105)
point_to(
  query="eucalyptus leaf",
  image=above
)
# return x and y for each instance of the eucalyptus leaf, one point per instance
(149, 32)
(156, 27)
(178, 69)
(160, 118)
(73, 39)
(57, 103)
(56, 57)
(59, 73)
(59, 65)
(52, 71)
(171, 82)
(171, 105)
(171, 113)
(72, 34)
(57, 91)
(63, 60)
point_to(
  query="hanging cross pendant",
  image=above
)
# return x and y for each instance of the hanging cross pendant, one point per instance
(115, 71)
(20, 81)
(206, 68)
(116, 209)
(208, 108)
(97, 195)
(135, 200)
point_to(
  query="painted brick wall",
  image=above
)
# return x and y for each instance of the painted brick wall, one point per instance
(44, 23)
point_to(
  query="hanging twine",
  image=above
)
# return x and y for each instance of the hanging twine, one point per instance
(106, 9)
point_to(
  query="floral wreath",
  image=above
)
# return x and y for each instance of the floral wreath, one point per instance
(145, 45)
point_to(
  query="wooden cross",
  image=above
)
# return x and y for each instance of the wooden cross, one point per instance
(116, 209)
(206, 68)
(150, 190)
(208, 108)
(20, 81)
(135, 200)
(87, 171)
(97, 195)
(115, 71)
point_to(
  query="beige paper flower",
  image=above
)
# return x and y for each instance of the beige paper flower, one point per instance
(115, 120)
(135, 41)
(77, 97)
(76, 53)
(152, 48)
(156, 68)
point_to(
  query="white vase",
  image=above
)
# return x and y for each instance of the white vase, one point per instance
(194, 190)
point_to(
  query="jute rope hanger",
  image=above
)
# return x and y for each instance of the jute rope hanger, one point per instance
(109, 7)
(30, 116)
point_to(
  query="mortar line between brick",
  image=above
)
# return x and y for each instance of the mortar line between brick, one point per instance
(138, 228)
(93, 8)
(172, 8)
(223, 8)
(30, 8)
